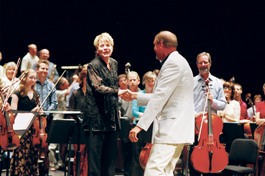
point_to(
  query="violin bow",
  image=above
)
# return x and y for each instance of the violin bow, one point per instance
(204, 112)
(52, 89)
(9, 89)
(22, 76)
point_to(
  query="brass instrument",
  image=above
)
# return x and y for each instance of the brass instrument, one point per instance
(53, 72)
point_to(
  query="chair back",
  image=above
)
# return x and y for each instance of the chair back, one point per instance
(243, 151)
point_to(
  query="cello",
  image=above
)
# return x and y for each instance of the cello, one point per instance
(144, 155)
(209, 156)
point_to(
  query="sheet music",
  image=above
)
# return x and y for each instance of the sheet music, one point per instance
(22, 121)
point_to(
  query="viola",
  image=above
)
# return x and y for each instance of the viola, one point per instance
(209, 156)
(144, 155)
(39, 136)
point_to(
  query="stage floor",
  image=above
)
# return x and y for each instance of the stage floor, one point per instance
(61, 173)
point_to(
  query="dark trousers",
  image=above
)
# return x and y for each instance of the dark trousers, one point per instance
(101, 149)
(127, 156)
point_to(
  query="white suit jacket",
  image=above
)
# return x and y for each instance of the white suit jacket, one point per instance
(171, 105)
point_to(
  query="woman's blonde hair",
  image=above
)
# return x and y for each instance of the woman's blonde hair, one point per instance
(22, 86)
(147, 75)
(104, 37)
(9, 64)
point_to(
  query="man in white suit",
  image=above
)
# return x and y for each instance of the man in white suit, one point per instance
(170, 106)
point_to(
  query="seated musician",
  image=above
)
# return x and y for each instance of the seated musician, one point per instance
(231, 113)
(25, 158)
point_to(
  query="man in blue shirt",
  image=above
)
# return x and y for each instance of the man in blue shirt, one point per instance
(44, 87)
(216, 95)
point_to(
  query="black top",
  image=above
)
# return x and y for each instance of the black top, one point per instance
(102, 96)
(26, 104)
(77, 101)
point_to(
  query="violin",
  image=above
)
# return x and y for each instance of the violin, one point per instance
(209, 156)
(9, 139)
(144, 155)
(39, 136)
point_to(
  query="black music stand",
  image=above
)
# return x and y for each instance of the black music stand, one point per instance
(68, 131)
(231, 131)
(253, 126)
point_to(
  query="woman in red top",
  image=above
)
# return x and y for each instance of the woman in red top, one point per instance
(260, 111)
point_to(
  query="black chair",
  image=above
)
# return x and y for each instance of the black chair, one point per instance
(242, 152)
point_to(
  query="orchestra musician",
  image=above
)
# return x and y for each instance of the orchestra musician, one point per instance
(231, 113)
(77, 102)
(257, 99)
(216, 95)
(243, 106)
(30, 58)
(44, 54)
(137, 112)
(126, 111)
(260, 111)
(44, 86)
(25, 158)
(169, 106)
(260, 133)
(9, 71)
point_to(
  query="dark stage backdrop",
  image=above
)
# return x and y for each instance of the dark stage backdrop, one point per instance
(231, 31)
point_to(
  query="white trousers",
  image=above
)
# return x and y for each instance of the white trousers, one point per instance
(162, 159)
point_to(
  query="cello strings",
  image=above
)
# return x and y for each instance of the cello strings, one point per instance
(204, 112)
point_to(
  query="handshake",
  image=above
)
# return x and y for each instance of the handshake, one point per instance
(127, 95)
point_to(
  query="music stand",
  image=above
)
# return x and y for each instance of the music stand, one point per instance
(232, 131)
(67, 131)
(23, 121)
(253, 126)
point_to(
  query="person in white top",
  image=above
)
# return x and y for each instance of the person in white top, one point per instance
(30, 58)
(231, 113)
(9, 71)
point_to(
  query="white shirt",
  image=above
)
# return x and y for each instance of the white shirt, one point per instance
(28, 61)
